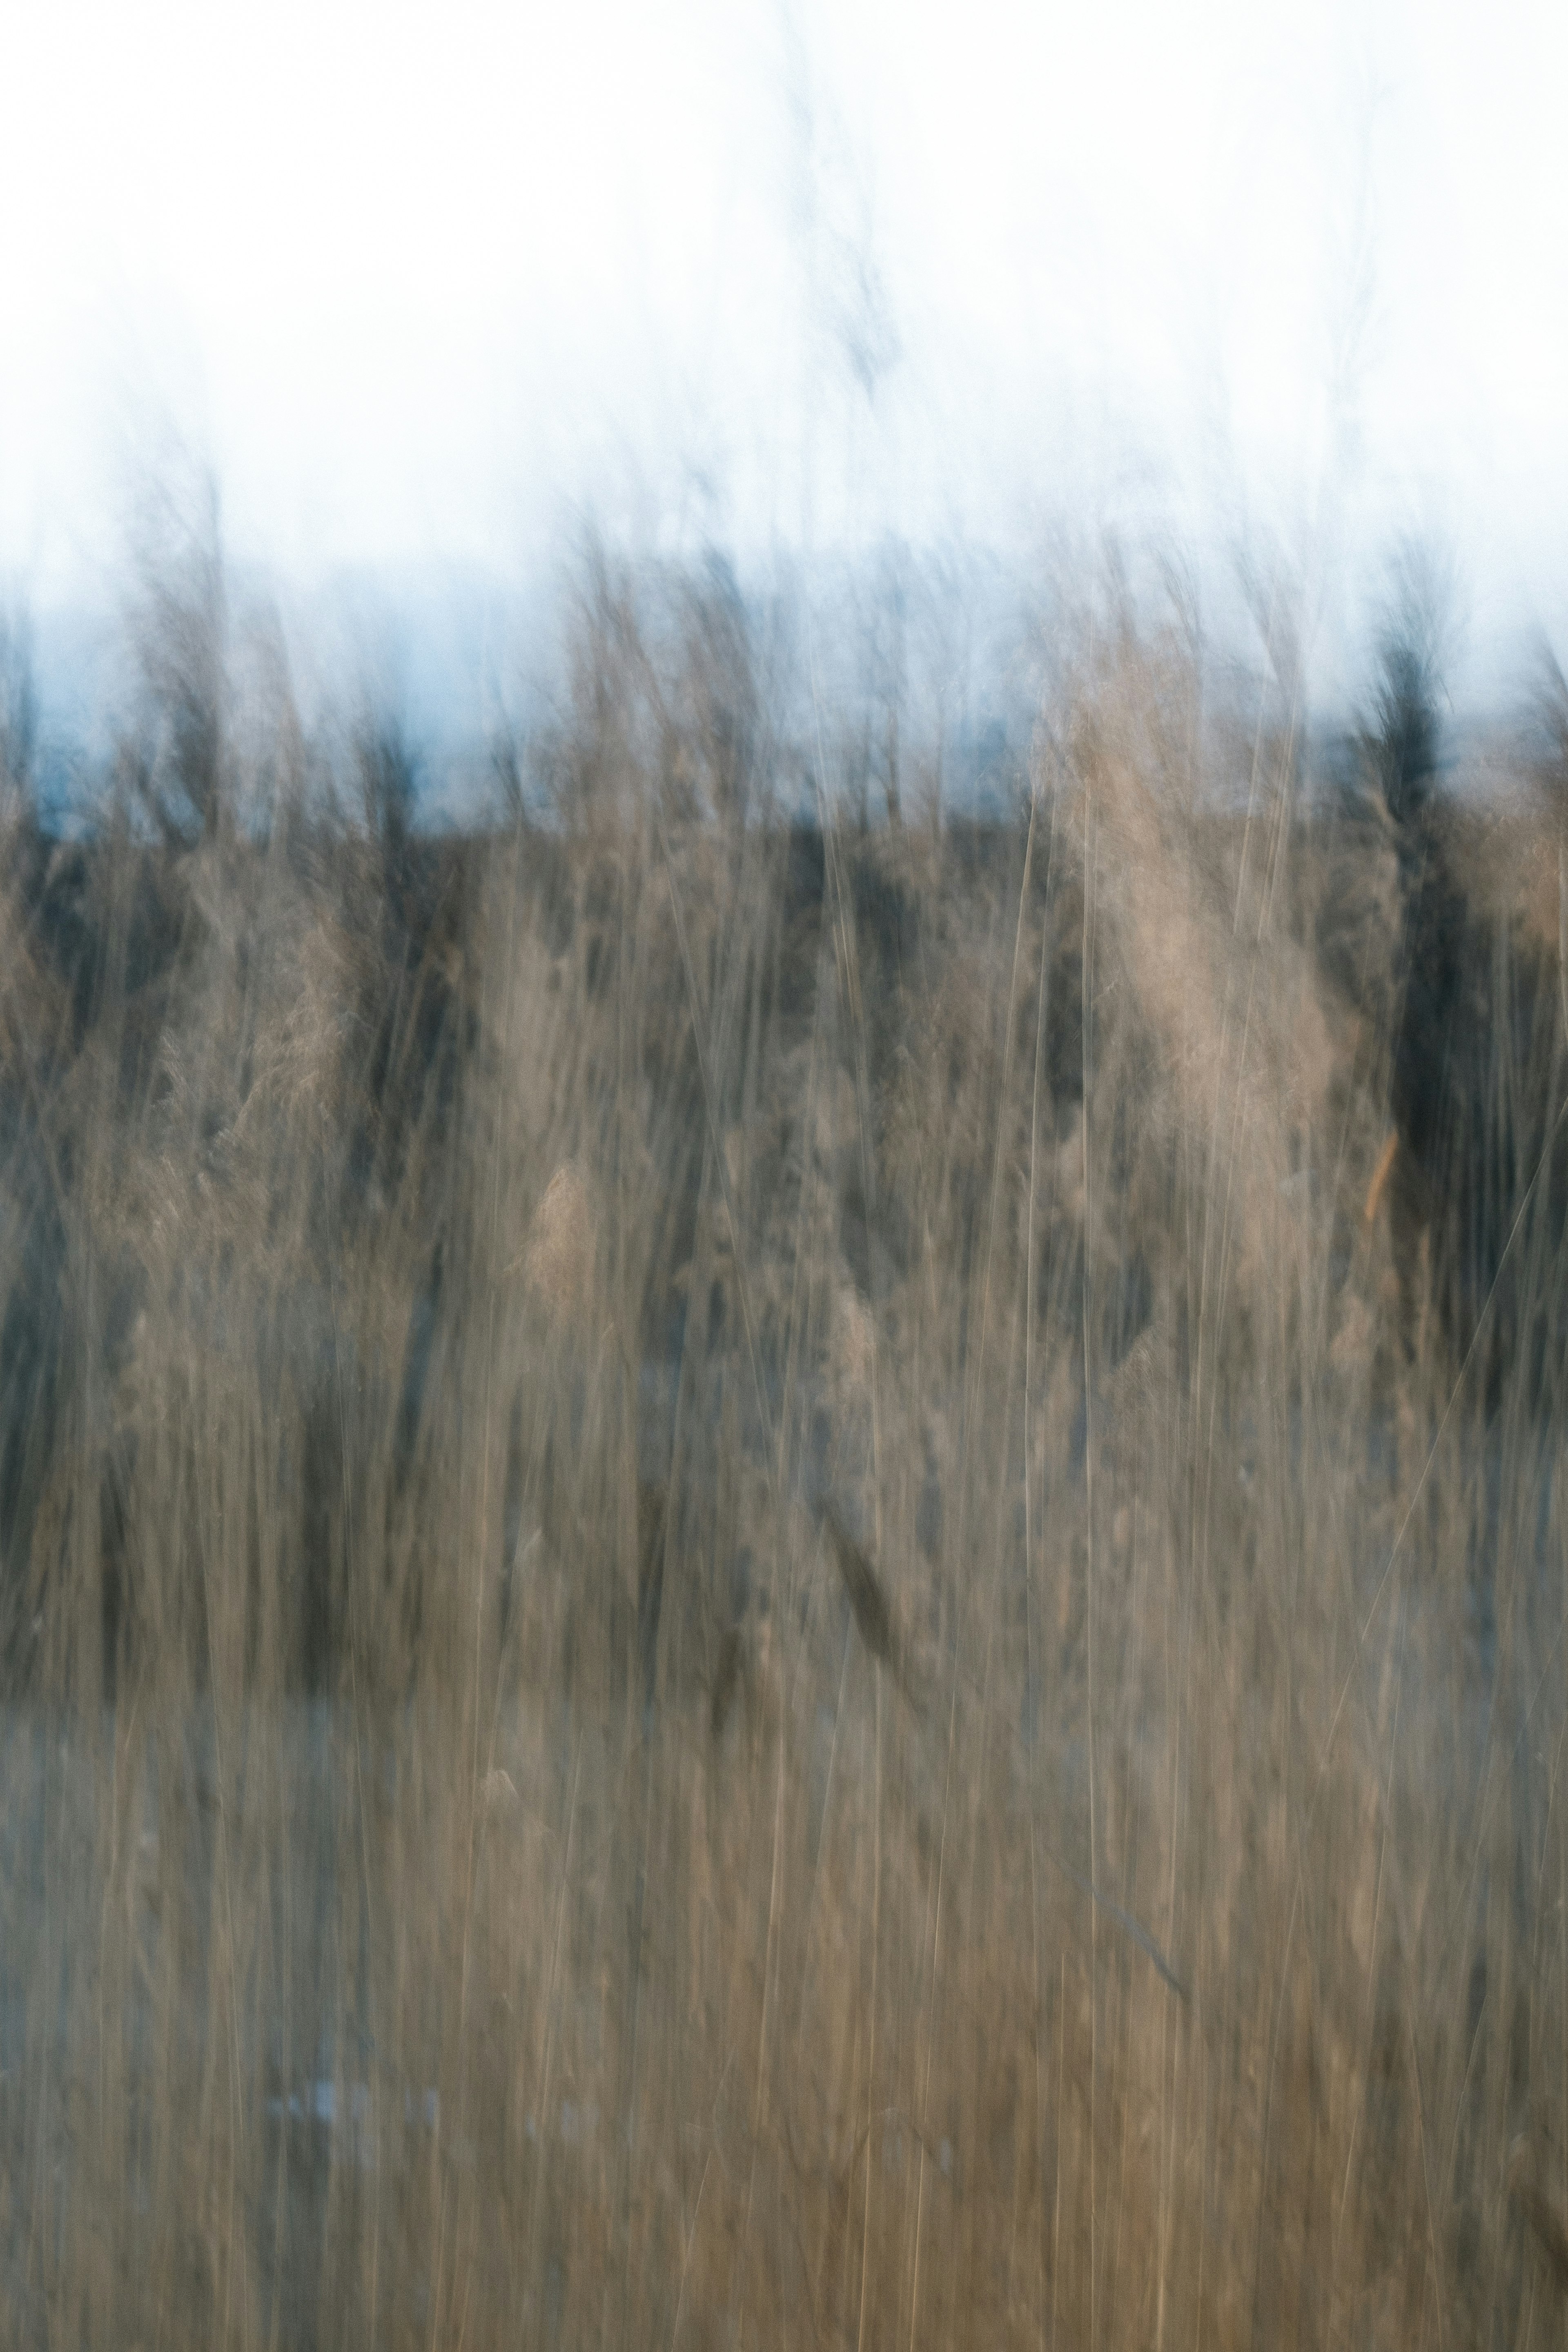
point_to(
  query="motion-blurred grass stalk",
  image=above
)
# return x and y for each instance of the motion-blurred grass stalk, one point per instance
(476, 1865)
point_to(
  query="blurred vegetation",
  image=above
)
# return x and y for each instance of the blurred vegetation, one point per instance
(780, 1576)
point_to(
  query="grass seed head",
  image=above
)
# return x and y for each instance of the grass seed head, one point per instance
(558, 1264)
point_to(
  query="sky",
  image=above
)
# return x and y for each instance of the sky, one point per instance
(426, 286)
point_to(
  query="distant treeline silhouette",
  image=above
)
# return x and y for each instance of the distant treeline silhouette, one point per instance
(1478, 1063)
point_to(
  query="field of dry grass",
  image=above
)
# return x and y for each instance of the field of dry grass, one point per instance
(754, 1586)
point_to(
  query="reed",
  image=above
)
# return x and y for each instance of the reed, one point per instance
(749, 1586)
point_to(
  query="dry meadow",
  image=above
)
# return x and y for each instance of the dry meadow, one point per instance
(772, 1578)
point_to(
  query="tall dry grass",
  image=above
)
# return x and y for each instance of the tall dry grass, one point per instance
(748, 1591)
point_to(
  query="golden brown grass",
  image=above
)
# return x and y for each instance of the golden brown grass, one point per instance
(1093, 1873)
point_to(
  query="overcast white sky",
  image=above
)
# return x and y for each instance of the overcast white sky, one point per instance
(419, 281)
